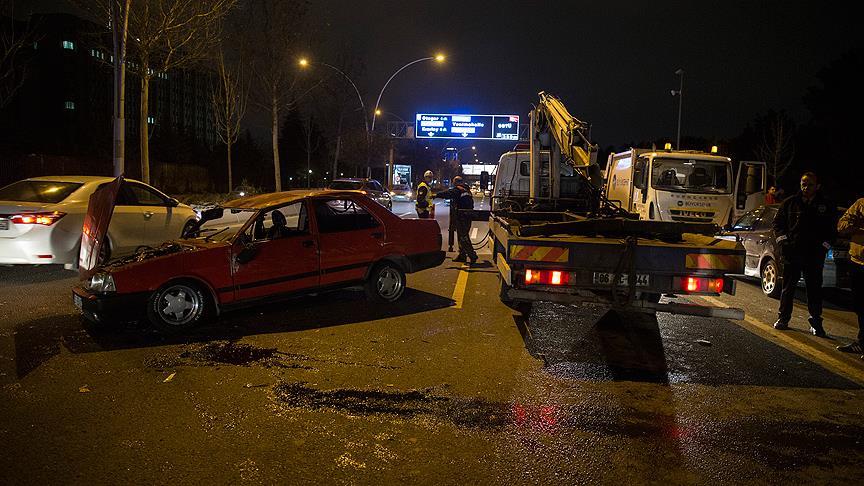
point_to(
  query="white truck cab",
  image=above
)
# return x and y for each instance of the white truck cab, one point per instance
(682, 185)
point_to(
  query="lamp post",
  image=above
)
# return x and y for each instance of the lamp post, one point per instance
(439, 58)
(680, 93)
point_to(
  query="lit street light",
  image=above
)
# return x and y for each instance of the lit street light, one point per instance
(439, 58)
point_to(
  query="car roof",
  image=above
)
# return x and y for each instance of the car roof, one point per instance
(352, 179)
(260, 201)
(77, 179)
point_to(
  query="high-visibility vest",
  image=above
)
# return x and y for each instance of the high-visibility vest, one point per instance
(427, 198)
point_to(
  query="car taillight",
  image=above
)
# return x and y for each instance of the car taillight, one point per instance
(45, 219)
(546, 277)
(702, 285)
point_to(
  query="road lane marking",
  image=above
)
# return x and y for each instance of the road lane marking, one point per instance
(474, 233)
(805, 350)
(459, 290)
(406, 214)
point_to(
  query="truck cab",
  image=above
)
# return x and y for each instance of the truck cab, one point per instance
(513, 177)
(680, 185)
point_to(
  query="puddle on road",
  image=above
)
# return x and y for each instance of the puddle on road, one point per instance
(230, 353)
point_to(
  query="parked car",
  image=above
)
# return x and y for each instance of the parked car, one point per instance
(402, 192)
(41, 219)
(754, 230)
(259, 248)
(372, 188)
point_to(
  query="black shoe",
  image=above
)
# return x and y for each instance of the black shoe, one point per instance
(460, 259)
(473, 261)
(853, 347)
(781, 325)
(816, 328)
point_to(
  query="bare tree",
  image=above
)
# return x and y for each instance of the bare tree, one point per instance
(229, 98)
(311, 144)
(170, 34)
(274, 46)
(13, 70)
(777, 146)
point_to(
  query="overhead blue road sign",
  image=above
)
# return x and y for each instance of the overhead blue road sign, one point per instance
(468, 127)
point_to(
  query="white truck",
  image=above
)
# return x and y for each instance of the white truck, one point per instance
(683, 185)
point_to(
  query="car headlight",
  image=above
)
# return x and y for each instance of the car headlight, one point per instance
(101, 282)
(392, 193)
(408, 194)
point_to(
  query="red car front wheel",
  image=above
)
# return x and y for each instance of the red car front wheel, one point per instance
(177, 306)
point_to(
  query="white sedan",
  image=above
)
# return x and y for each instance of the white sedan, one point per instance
(41, 219)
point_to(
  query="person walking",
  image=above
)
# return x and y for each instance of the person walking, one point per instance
(851, 225)
(424, 204)
(804, 227)
(460, 197)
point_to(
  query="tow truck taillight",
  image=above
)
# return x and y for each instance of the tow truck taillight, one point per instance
(45, 219)
(546, 277)
(702, 285)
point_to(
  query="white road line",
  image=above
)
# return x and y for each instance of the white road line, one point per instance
(474, 233)
(805, 350)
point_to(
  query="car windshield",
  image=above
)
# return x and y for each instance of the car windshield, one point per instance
(346, 185)
(222, 227)
(691, 175)
(401, 188)
(38, 191)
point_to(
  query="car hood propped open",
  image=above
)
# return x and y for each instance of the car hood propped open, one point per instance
(95, 229)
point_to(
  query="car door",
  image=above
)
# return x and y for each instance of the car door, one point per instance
(350, 239)
(162, 222)
(751, 184)
(127, 229)
(762, 236)
(745, 229)
(281, 261)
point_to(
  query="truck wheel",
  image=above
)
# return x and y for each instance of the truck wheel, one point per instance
(770, 279)
(386, 283)
(177, 307)
(522, 307)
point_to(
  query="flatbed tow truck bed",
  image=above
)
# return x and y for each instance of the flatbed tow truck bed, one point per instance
(569, 268)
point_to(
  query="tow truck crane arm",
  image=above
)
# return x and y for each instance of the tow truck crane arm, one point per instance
(570, 133)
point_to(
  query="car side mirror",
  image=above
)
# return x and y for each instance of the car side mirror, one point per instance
(247, 249)
(173, 203)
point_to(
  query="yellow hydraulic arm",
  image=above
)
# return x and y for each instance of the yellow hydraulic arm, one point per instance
(569, 132)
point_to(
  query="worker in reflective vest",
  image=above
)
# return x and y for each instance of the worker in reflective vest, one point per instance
(424, 204)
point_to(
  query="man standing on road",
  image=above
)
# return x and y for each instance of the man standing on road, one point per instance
(460, 197)
(804, 227)
(424, 204)
(852, 226)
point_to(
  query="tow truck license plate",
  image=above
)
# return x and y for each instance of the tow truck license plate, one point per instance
(77, 300)
(601, 278)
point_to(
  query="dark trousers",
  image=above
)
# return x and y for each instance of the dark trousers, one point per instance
(423, 213)
(463, 236)
(793, 266)
(857, 272)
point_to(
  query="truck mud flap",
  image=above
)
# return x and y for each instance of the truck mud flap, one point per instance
(637, 306)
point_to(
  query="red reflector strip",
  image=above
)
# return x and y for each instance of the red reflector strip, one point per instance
(44, 256)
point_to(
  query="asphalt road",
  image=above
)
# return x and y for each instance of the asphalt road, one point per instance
(447, 386)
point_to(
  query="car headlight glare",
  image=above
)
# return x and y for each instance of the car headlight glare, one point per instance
(101, 282)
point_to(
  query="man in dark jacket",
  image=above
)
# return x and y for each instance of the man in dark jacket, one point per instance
(804, 226)
(460, 197)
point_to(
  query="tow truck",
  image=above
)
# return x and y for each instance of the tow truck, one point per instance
(566, 243)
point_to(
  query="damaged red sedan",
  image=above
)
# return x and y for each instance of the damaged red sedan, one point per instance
(257, 249)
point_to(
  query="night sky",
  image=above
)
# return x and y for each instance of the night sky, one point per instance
(612, 62)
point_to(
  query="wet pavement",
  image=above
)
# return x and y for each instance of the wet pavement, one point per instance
(330, 389)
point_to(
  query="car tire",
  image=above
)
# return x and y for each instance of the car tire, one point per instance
(177, 307)
(769, 278)
(522, 307)
(386, 283)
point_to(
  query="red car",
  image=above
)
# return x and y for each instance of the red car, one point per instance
(256, 249)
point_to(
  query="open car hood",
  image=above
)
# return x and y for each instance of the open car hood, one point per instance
(95, 228)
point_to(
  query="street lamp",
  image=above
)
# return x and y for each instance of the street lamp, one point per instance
(680, 93)
(439, 58)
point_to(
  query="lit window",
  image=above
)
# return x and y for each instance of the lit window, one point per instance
(69, 45)
(69, 105)
(151, 120)
(35, 45)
